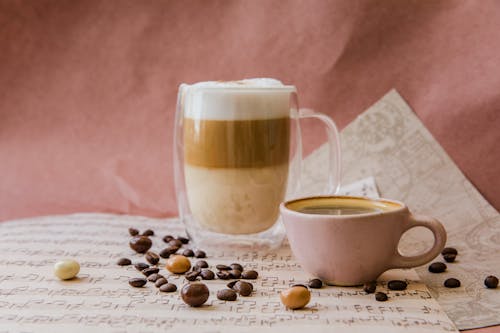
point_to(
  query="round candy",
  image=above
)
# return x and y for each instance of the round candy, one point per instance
(66, 269)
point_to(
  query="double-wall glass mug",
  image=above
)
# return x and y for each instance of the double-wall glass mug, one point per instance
(237, 155)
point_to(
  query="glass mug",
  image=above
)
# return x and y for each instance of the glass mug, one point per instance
(237, 155)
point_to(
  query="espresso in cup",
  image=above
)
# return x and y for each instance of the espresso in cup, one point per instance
(341, 206)
(236, 156)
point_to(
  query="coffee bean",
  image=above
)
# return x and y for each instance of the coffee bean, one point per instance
(150, 270)
(191, 276)
(148, 232)
(381, 297)
(231, 284)
(227, 295)
(243, 288)
(223, 275)
(315, 283)
(195, 294)
(160, 282)
(140, 266)
(168, 251)
(452, 283)
(201, 264)
(133, 231)
(207, 274)
(137, 282)
(155, 276)
(140, 244)
(168, 288)
(450, 257)
(188, 253)
(295, 297)
(437, 267)
(175, 242)
(152, 258)
(222, 267)
(236, 266)
(234, 274)
(178, 264)
(397, 285)
(168, 238)
(491, 282)
(183, 240)
(200, 254)
(249, 275)
(370, 287)
(124, 262)
(449, 250)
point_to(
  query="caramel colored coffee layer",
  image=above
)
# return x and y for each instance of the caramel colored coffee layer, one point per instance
(236, 144)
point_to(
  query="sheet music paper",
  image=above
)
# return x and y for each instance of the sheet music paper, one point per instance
(390, 143)
(100, 299)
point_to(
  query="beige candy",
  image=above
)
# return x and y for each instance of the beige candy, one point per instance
(178, 264)
(66, 269)
(295, 297)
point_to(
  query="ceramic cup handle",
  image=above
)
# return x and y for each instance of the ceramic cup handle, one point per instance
(334, 159)
(400, 261)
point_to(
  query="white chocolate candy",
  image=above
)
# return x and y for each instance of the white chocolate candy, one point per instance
(66, 269)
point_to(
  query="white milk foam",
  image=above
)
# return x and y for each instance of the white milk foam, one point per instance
(248, 99)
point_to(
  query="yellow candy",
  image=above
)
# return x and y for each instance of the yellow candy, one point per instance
(66, 269)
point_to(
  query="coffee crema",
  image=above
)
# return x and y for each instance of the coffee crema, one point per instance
(341, 206)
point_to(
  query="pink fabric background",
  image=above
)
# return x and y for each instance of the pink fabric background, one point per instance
(88, 88)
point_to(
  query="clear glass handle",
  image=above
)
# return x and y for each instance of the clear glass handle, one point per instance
(334, 157)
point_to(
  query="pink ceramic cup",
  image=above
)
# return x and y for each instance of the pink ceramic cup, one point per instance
(349, 250)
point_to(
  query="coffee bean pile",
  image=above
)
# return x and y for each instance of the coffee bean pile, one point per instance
(194, 293)
(449, 255)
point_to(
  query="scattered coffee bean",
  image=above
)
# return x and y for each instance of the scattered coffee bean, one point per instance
(397, 285)
(160, 282)
(168, 238)
(133, 231)
(191, 276)
(140, 244)
(195, 294)
(137, 282)
(175, 242)
(234, 274)
(150, 270)
(168, 251)
(449, 250)
(249, 275)
(222, 267)
(315, 283)
(66, 269)
(183, 240)
(152, 258)
(124, 262)
(370, 287)
(207, 274)
(236, 266)
(168, 288)
(491, 282)
(200, 254)
(178, 264)
(148, 233)
(295, 297)
(231, 284)
(188, 253)
(243, 288)
(223, 275)
(452, 283)
(155, 276)
(437, 267)
(381, 297)
(140, 266)
(227, 295)
(201, 264)
(450, 257)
